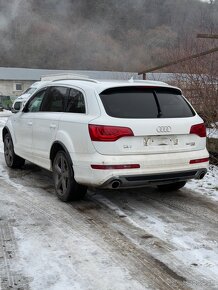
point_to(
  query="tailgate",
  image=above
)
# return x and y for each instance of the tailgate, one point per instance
(160, 120)
(153, 136)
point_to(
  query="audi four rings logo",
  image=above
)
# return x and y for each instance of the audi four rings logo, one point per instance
(163, 129)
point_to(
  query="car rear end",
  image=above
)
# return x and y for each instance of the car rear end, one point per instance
(146, 135)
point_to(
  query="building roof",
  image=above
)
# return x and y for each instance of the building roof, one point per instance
(29, 74)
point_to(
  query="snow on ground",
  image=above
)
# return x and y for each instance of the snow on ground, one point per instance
(212, 133)
(190, 240)
(208, 185)
(58, 249)
(112, 240)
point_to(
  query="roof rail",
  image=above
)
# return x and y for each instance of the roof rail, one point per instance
(65, 76)
(76, 79)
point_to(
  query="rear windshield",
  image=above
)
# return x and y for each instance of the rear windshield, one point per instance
(141, 102)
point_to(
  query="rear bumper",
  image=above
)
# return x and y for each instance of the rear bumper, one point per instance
(154, 168)
(129, 181)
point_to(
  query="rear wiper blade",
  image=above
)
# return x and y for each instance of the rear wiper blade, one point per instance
(158, 105)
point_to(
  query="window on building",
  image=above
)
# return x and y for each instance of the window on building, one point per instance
(18, 87)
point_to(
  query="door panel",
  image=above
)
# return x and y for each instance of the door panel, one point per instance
(45, 126)
(46, 122)
(22, 124)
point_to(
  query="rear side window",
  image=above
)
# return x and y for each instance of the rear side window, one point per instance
(142, 102)
(55, 100)
(75, 102)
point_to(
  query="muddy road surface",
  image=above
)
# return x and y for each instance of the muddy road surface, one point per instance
(117, 240)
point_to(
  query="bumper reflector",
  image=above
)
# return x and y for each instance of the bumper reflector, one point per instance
(198, 160)
(108, 167)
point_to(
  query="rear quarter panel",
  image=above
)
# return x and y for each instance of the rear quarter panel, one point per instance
(73, 127)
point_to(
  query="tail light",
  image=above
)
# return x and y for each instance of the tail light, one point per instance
(199, 130)
(108, 133)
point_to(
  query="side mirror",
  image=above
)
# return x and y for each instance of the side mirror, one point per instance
(16, 107)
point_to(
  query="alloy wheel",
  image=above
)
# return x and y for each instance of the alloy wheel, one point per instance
(61, 174)
(8, 150)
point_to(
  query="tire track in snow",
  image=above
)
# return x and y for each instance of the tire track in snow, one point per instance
(116, 228)
(194, 277)
(185, 201)
(140, 265)
(63, 222)
(8, 257)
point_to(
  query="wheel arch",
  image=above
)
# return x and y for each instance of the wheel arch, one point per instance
(8, 128)
(4, 132)
(58, 146)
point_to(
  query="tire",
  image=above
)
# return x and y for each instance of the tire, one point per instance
(11, 159)
(171, 186)
(66, 187)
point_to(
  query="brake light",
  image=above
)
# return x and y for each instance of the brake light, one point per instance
(120, 166)
(108, 133)
(198, 160)
(199, 130)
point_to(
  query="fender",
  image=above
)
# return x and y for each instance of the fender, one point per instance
(64, 147)
(63, 138)
(8, 128)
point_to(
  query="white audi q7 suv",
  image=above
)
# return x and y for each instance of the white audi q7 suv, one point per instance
(108, 134)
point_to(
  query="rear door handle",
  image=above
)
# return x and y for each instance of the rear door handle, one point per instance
(30, 123)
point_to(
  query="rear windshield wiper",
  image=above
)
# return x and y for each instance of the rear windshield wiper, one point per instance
(158, 105)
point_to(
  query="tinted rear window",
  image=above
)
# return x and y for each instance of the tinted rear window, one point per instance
(141, 102)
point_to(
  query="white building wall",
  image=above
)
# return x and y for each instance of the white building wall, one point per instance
(8, 88)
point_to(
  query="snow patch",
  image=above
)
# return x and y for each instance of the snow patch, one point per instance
(212, 132)
(208, 185)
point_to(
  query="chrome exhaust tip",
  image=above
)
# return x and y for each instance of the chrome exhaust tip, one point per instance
(115, 184)
(201, 174)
